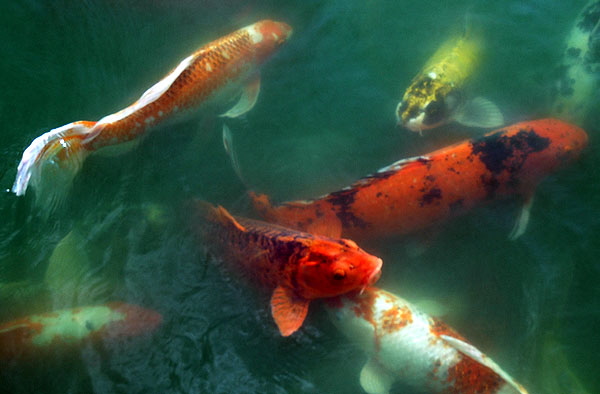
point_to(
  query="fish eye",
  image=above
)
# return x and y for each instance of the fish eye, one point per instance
(339, 274)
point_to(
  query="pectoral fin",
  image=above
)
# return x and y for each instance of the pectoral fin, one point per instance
(479, 112)
(374, 379)
(473, 353)
(247, 99)
(288, 310)
(522, 220)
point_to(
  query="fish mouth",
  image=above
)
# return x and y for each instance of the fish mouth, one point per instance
(374, 277)
(415, 124)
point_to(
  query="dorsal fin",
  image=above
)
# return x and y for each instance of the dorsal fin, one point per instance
(225, 217)
(217, 214)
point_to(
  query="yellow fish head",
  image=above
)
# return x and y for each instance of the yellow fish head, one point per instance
(427, 103)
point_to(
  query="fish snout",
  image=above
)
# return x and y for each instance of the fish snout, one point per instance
(415, 124)
(272, 31)
(375, 273)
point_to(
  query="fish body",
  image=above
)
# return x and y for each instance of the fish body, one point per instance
(437, 96)
(415, 193)
(576, 90)
(296, 266)
(219, 71)
(36, 334)
(405, 344)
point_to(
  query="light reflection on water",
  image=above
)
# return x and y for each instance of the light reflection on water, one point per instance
(324, 118)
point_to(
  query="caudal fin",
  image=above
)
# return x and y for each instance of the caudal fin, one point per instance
(52, 160)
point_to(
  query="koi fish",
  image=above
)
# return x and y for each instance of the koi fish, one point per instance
(297, 266)
(217, 72)
(576, 90)
(35, 334)
(436, 94)
(404, 343)
(414, 193)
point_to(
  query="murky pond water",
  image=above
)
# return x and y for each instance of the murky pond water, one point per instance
(324, 118)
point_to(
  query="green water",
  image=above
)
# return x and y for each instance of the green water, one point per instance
(325, 117)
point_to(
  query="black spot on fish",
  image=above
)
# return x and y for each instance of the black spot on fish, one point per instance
(430, 178)
(342, 200)
(499, 152)
(491, 184)
(456, 205)
(431, 196)
(573, 52)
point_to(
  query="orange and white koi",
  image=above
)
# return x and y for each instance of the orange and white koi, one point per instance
(217, 72)
(415, 193)
(405, 344)
(36, 334)
(298, 267)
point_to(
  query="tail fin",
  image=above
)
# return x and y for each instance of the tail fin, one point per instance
(52, 160)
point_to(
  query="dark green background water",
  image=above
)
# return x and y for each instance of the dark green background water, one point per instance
(325, 117)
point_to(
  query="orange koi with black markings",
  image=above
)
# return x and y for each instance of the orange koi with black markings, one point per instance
(297, 266)
(412, 194)
(218, 72)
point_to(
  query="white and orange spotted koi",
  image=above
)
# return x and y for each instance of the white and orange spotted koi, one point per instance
(218, 72)
(35, 335)
(405, 344)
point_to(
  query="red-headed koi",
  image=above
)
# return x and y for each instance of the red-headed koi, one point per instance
(296, 266)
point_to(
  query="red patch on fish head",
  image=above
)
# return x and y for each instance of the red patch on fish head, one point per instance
(336, 267)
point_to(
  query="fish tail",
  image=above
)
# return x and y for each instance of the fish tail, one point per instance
(52, 160)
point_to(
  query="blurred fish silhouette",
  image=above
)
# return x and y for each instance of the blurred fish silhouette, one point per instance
(404, 344)
(297, 266)
(217, 73)
(36, 335)
(415, 193)
(576, 93)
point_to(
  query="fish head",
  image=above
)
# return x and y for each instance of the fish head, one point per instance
(268, 35)
(426, 104)
(333, 267)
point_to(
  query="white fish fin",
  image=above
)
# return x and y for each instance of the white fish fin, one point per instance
(475, 354)
(522, 220)
(229, 149)
(52, 160)
(374, 379)
(396, 166)
(479, 112)
(247, 99)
